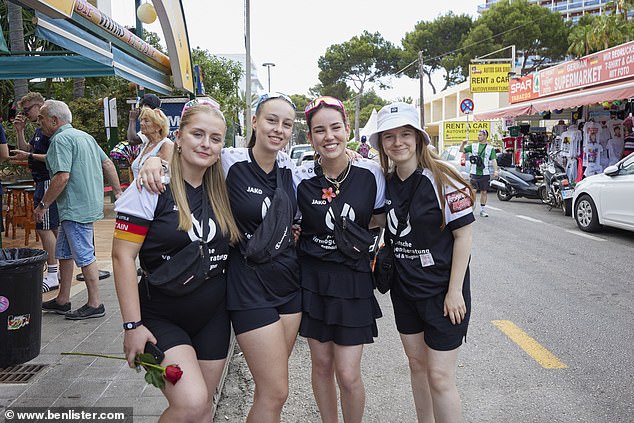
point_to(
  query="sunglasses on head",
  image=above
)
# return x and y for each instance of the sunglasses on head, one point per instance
(270, 96)
(328, 101)
(198, 101)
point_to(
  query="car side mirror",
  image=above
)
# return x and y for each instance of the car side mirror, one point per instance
(611, 170)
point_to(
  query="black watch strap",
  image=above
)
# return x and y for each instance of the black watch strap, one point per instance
(132, 325)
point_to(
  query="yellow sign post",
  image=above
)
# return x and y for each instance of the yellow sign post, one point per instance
(489, 77)
(457, 130)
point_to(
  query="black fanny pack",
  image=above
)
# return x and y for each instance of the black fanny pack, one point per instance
(274, 234)
(188, 269)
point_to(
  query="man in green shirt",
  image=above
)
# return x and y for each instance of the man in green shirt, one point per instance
(481, 155)
(75, 162)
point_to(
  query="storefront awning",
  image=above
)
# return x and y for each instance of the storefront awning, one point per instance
(616, 91)
(95, 57)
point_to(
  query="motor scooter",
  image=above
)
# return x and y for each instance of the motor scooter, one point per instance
(559, 191)
(513, 183)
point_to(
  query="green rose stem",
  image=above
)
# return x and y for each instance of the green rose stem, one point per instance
(155, 373)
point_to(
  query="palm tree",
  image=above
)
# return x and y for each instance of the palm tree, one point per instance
(581, 40)
(16, 39)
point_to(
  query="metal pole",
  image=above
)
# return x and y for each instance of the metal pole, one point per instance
(247, 75)
(421, 73)
(138, 30)
(268, 68)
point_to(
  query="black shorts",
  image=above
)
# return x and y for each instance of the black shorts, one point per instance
(480, 182)
(246, 320)
(415, 316)
(199, 319)
(50, 222)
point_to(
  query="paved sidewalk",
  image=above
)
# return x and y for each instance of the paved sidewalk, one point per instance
(73, 381)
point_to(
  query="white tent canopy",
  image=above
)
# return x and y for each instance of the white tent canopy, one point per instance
(370, 126)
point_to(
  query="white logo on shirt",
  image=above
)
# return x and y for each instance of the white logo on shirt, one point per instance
(392, 224)
(196, 232)
(346, 211)
(254, 190)
(265, 206)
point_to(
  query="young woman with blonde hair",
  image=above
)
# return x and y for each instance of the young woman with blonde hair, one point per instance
(429, 210)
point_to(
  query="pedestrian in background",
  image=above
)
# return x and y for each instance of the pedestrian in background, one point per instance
(364, 148)
(264, 300)
(429, 211)
(150, 101)
(192, 330)
(155, 129)
(76, 164)
(481, 156)
(339, 307)
(35, 152)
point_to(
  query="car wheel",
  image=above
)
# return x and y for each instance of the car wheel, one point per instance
(504, 195)
(566, 206)
(586, 214)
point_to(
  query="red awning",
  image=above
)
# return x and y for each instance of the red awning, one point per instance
(617, 91)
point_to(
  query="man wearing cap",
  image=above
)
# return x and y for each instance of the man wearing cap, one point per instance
(481, 155)
(148, 100)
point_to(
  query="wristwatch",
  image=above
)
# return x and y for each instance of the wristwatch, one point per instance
(42, 205)
(132, 325)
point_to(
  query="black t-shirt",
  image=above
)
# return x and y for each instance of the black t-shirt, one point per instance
(39, 145)
(251, 190)
(152, 219)
(424, 251)
(361, 195)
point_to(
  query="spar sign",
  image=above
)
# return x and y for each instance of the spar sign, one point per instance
(457, 130)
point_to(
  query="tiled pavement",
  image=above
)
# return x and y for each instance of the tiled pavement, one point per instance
(74, 381)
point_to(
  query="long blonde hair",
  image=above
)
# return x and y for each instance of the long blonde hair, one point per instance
(443, 173)
(213, 181)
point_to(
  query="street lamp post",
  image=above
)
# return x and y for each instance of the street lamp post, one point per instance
(268, 68)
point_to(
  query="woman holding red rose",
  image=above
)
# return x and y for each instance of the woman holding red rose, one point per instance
(192, 330)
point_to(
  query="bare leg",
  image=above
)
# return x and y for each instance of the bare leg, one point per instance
(189, 399)
(415, 349)
(291, 322)
(91, 278)
(348, 371)
(323, 379)
(66, 267)
(48, 239)
(266, 352)
(442, 384)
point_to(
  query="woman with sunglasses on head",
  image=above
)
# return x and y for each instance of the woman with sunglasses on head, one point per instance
(193, 329)
(340, 309)
(263, 299)
(429, 209)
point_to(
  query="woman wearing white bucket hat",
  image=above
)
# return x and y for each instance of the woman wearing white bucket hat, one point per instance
(429, 211)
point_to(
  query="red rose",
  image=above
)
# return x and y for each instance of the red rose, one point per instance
(173, 373)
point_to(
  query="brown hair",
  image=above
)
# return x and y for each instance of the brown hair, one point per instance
(443, 172)
(258, 112)
(213, 180)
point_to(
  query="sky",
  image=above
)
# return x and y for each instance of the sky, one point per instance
(293, 34)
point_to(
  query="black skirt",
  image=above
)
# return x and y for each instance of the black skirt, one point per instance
(338, 303)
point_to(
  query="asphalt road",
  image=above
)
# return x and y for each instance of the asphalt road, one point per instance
(550, 340)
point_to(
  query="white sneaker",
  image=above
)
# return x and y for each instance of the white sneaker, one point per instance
(483, 213)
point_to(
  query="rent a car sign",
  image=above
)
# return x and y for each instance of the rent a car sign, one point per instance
(457, 130)
(489, 78)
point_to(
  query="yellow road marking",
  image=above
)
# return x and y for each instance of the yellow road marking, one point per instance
(533, 348)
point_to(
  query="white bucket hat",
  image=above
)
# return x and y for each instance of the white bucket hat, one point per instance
(393, 116)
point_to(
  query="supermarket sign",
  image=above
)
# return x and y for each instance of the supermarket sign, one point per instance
(613, 64)
(457, 130)
(489, 78)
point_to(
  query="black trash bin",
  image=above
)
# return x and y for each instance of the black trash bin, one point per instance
(21, 272)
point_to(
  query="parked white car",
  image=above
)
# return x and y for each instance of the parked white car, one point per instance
(606, 199)
(296, 152)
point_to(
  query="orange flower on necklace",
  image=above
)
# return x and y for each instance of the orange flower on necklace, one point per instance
(328, 194)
